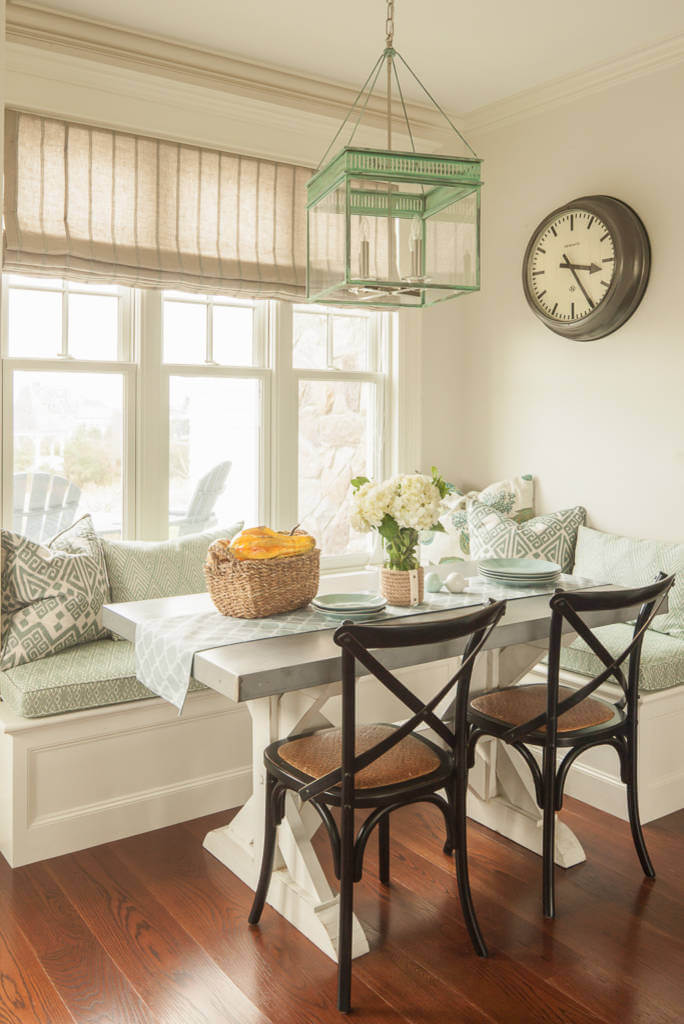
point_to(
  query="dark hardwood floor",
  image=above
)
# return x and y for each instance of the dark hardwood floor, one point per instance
(153, 929)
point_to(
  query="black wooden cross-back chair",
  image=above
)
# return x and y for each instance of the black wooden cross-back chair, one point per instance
(381, 767)
(552, 716)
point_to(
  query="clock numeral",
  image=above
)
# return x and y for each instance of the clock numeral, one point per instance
(604, 283)
(603, 236)
(555, 233)
(535, 273)
(572, 222)
(572, 310)
(554, 309)
(591, 221)
(541, 250)
(542, 294)
(608, 259)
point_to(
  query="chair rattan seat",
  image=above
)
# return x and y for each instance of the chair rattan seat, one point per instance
(517, 704)
(321, 752)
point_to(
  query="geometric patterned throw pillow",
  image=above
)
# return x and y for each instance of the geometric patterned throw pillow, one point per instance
(633, 562)
(552, 536)
(143, 570)
(52, 596)
(514, 498)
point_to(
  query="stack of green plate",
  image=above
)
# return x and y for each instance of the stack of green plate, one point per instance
(352, 607)
(520, 572)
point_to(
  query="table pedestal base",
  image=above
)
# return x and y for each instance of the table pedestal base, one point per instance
(299, 889)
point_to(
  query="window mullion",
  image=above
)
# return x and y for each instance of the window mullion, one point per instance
(209, 337)
(152, 449)
(284, 421)
(64, 348)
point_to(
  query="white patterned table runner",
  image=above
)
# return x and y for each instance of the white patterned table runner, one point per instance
(165, 648)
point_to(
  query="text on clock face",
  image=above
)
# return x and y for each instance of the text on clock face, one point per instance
(572, 266)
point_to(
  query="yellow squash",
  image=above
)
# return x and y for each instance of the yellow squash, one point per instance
(261, 542)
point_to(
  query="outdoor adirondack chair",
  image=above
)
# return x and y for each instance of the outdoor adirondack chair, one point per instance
(200, 513)
(43, 504)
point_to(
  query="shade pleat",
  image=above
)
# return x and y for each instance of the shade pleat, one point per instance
(94, 204)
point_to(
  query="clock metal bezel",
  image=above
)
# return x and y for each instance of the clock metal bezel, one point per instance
(630, 275)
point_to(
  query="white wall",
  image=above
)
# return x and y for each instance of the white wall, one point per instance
(601, 423)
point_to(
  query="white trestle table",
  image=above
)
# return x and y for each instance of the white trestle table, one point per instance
(286, 683)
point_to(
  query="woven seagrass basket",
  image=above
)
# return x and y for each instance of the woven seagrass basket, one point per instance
(255, 588)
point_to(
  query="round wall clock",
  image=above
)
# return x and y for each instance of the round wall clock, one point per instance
(586, 267)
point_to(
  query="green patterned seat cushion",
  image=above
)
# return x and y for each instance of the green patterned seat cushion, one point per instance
(632, 562)
(662, 657)
(52, 595)
(90, 675)
(514, 498)
(551, 536)
(141, 570)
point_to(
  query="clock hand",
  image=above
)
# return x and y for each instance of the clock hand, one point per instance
(570, 267)
(591, 267)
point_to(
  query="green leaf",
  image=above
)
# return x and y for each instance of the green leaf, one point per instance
(388, 528)
(359, 481)
(437, 528)
(442, 486)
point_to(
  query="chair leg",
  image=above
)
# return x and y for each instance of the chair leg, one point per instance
(457, 800)
(384, 848)
(633, 810)
(272, 820)
(549, 837)
(344, 944)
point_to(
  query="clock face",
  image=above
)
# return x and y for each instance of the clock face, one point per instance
(586, 267)
(571, 266)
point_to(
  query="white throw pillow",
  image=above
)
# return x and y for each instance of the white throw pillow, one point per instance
(514, 498)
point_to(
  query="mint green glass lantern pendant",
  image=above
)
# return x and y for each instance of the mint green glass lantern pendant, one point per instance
(388, 228)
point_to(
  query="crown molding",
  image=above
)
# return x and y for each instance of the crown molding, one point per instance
(565, 90)
(65, 86)
(30, 24)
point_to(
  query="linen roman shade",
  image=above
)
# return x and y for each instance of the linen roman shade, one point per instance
(90, 203)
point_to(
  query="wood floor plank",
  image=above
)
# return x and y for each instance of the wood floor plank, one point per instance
(273, 964)
(580, 953)
(418, 995)
(568, 956)
(27, 996)
(174, 976)
(153, 929)
(92, 988)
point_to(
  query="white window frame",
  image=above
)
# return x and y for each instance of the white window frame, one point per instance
(62, 362)
(289, 378)
(145, 511)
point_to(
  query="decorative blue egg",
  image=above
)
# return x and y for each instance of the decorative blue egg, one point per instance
(433, 583)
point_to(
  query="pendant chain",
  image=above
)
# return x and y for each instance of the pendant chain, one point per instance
(389, 41)
(389, 24)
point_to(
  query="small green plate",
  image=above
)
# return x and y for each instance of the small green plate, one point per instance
(520, 566)
(360, 602)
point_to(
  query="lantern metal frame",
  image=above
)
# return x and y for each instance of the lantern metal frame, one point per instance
(397, 186)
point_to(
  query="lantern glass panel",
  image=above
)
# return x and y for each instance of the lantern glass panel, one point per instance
(327, 241)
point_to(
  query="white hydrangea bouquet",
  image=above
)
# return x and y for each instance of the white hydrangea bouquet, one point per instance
(399, 509)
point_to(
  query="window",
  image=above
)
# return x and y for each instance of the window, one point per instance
(338, 366)
(216, 409)
(67, 394)
(166, 413)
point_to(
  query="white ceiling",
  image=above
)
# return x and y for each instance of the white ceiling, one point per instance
(467, 54)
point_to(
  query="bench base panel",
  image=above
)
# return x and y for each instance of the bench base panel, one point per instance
(76, 780)
(595, 779)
